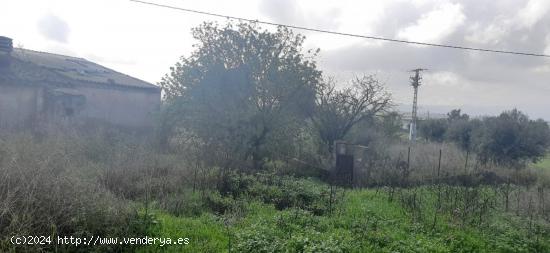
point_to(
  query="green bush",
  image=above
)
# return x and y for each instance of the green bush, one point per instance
(218, 203)
(294, 230)
(281, 191)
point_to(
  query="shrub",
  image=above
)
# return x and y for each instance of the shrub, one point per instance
(433, 129)
(294, 230)
(47, 190)
(218, 203)
(285, 192)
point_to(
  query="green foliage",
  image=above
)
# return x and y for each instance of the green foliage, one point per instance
(205, 233)
(241, 86)
(244, 212)
(363, 221)
(456, 115)
(257, 238)
(263, 239)
(433, 129)
(281, 191)
(544, 163)
(461, 129)
(463, 133)
(293, 230)
(218, 203)
(513, 139)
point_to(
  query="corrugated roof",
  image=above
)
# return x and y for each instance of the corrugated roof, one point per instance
(40, 67)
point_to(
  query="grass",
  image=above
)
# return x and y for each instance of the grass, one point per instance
(544, 163)
(364, 221)
(240, 212)
(205, 233)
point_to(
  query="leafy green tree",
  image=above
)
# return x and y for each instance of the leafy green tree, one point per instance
(338, 110)
(241, 85)
(513, 139)
(460, 129)
(462, 132)
(433, 129)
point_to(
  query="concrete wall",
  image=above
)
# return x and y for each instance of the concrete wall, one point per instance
(30, 106)
(120, 106)
(19, 105)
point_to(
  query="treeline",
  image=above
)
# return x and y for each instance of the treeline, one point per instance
(509, 139)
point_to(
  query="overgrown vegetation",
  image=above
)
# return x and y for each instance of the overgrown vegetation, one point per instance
(73, 188)
(242, 161)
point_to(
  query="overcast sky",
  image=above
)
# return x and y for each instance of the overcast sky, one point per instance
(144, 41)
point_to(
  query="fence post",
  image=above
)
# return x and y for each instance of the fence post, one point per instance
(439, 165)
(438, 191)
(408, 158)
(466, 163)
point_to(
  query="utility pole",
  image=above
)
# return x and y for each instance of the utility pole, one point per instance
(415, 84)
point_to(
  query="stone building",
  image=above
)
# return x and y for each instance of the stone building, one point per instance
(38, 88)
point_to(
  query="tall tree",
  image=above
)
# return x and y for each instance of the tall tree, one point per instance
(338, 110)
(460, 129)
(241, 85)
(456, 114)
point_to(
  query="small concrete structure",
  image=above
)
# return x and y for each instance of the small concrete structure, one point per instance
(38, 88)
(349, 163)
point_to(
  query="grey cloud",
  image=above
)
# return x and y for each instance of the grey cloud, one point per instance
(289, 12)
(282, 11)
(397, 15)
(512, 76)
(54, 28)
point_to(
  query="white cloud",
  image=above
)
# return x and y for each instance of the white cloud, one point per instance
(435, 25)
(497, 30)
(491, 34)
(533, 12)
(54, 28)
(542, 69)
(347, 16)
(547, 48)
(444, 78)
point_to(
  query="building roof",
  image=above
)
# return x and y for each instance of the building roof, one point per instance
(423, 115)
(40, 68)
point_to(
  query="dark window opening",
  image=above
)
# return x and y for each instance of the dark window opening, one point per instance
(69, 112)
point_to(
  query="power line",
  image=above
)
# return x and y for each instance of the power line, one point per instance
(342, 33)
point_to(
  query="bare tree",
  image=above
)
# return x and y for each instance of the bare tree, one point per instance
(338, 110)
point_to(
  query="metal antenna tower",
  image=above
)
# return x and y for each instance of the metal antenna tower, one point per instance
(415, 84)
